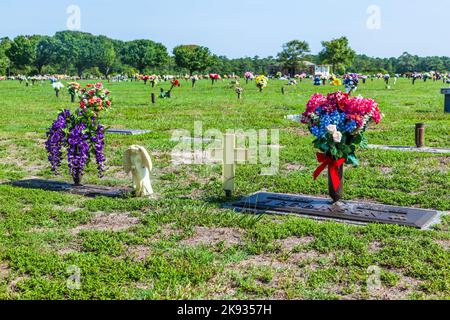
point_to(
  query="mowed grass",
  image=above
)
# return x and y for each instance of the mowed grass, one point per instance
(182, 244)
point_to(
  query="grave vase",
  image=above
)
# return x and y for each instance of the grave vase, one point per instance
(336, 195)
(77, 181)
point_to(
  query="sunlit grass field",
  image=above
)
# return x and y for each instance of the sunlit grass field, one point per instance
(182, 244)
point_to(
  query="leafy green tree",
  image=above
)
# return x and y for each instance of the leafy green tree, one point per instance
(293, 55)
(142, 54)
(45, 52)
(5, 44)
(192, 57)
(103, 54)
(22, 52)
(337, 52)
(407, 63)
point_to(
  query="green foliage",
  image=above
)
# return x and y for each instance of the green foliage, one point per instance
(337, 52)
(142, 54)
(293, 54)
(192, 57)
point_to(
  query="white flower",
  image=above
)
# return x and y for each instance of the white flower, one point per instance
(332, 128)
(337, 137)
(57, 85)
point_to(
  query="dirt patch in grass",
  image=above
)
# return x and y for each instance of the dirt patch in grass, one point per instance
(299, 131)
(289, 167)
(374, 247)
(213, 236)
(108, 222)
(291, 243)
(445, 243)
(138, 253)
(4, 271)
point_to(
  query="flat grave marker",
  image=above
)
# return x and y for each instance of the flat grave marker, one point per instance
(127, 132)
(85, 190)
(356, 212)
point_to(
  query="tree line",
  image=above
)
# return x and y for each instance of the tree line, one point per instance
(80, 53)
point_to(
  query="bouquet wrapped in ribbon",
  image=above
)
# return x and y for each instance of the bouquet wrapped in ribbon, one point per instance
(339, 123)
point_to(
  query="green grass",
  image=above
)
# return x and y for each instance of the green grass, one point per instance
(328, 261)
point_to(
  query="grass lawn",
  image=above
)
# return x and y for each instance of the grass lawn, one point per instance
(182, 244)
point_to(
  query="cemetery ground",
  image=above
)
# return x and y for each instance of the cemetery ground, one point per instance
(182, 244)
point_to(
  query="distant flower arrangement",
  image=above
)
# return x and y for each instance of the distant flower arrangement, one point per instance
(249, 75)
(73, 88)
(261, 82)
(351, 82)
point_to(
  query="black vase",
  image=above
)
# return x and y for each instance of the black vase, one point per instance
(336, 195)
(77, 181)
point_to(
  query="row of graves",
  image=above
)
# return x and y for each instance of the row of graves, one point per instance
(338, 122)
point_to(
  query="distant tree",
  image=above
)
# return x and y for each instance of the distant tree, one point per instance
(103, 55)
(45, 52)
(407, 63)
(142, 54)
(5, 44)
(192, 57)
(22, 52)
(337, 52)
(74, 49)
(293, 55)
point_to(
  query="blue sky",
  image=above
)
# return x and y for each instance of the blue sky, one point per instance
(245, 27)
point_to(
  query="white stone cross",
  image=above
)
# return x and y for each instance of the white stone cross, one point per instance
(230, 156)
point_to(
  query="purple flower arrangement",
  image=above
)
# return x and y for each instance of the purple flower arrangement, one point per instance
(82, 135)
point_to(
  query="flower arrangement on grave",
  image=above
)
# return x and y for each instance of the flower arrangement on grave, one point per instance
(317, 79)
(335, 81)
(145, 78)
(351, 82)
(214, 77)
(292, 82)
(239, 91)
(261, 82)
(339, 122)
(80, 133)
(73, 89)
(249, 76)
(57, 86)
(194, 80)
(153, 80)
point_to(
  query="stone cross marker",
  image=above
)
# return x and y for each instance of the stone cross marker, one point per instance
(230, 156)
(446, 92)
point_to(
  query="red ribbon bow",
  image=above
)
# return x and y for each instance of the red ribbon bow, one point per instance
(333, 166)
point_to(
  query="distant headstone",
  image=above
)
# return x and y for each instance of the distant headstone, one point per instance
(127, 132)
(446, 92)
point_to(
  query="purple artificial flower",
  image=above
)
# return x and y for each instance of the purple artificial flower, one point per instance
(99, 149)
(56, 138)
(78, 151)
